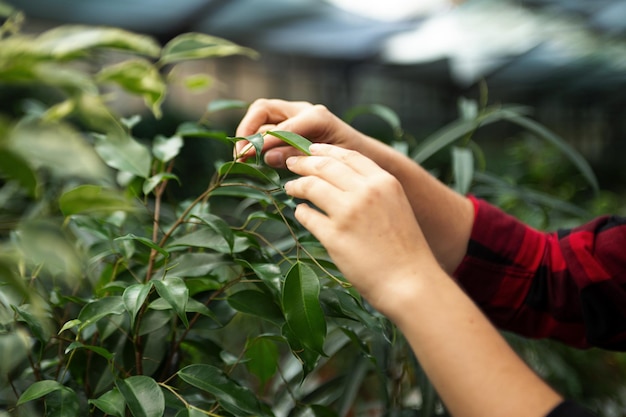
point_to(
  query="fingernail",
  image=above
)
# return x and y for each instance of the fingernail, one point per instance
(290, 161)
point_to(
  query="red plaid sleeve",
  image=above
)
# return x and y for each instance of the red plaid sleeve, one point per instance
(568, 285)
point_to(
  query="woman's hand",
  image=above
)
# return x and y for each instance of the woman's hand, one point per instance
(314, 122)
(366, 222)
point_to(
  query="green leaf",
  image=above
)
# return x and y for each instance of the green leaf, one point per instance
(256, 303)
(151, 183)
(96, 349)
(308, 357)
(124, 153)
(69, 325)
(301, 306)
(47, 245)
(37, 324)
(232, 397)
(140, 77)
(190, 46)
(196, 264)
(99, 309)
(57, 148)
(257, 140)
(149, 243)
(262, 355)
(189, 129)
(463, 169)
(542, 132)
(111, 402)
(224, 104)
(94, 199)
(385, 113)
(197, 83)
(176, 293)
(134, 297)
(39, 389)
(210, 239)
(63, 403)
(263, 173)
(293, 139)
(143, 396)
(165, 149)
(73, 40)
(219, 226)
(266, 272)
(13, 166)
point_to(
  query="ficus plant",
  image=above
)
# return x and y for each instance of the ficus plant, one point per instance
(119, 298)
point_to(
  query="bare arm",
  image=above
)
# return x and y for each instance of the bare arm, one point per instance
(382, 251)
(445, 217)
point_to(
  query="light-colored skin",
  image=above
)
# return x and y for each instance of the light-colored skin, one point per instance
(396, 232)
(445, 217)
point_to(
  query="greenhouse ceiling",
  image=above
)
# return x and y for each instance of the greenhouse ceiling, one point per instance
(521, 41)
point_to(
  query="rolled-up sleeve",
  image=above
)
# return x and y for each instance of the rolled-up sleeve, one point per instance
(568, 285)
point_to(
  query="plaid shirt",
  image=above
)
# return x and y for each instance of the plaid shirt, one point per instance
(568, 285)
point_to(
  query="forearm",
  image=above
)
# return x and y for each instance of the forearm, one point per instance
(446, 217)
(470, 364)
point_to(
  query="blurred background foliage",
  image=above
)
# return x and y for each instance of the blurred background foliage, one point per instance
(568, 77)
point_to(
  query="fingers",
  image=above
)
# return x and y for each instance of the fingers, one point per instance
(343, 168)
(263, 112)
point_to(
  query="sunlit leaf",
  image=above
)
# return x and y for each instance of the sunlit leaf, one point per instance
(94, 199)
(134, 298)
(165, 149)
(140, 77)
(301, 306)
(143, 396)
(111, 402)
(197, 83)
(200, 46)
(176, 293)
(463, 169)
(71, 40)
(232, 397)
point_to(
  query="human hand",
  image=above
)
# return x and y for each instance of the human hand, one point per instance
(366, 223)
(314, 122)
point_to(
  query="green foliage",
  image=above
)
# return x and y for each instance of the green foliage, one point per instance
(119, 299)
